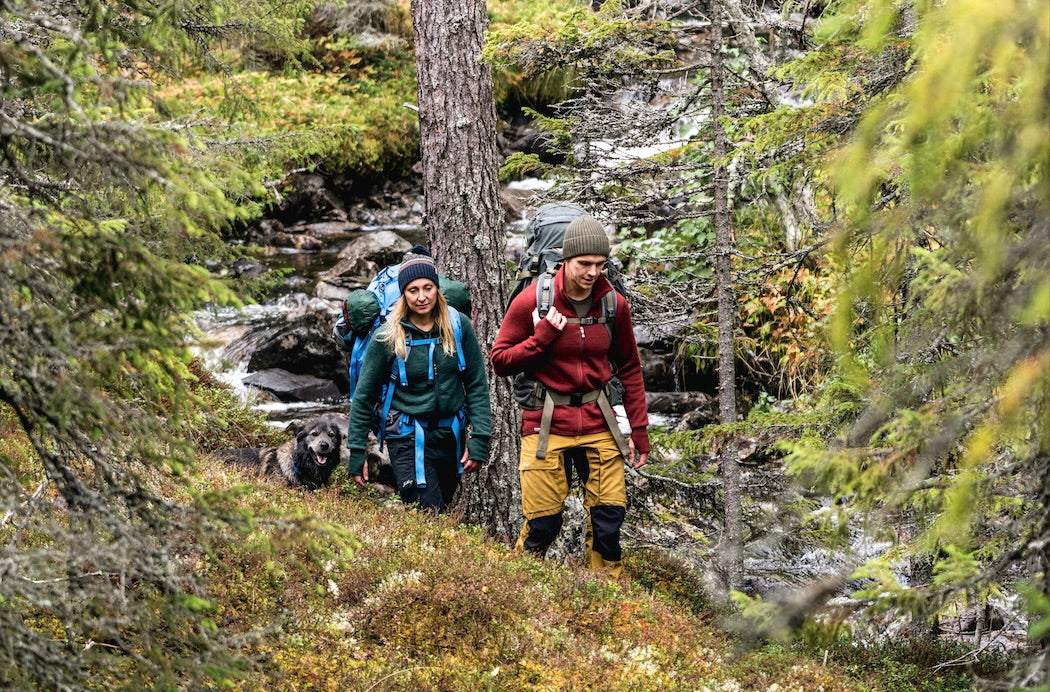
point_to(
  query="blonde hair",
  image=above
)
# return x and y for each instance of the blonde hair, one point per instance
(393, 335)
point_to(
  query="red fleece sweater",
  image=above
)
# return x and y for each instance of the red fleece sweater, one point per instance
(575, 359)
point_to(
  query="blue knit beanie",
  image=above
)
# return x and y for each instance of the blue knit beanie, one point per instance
(417, 264)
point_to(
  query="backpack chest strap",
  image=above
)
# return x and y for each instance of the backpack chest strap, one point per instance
(585, 321)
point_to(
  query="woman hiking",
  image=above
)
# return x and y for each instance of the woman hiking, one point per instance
(425, 371)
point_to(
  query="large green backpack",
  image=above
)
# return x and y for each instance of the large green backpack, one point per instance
(544, 236)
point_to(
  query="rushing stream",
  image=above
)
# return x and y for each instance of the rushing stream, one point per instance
(228, 330)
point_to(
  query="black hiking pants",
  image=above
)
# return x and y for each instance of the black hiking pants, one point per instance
(440, 464)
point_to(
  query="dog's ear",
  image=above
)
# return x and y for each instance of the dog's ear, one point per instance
(293, 428)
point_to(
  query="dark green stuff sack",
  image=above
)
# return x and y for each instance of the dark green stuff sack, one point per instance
(456, 294)
(360, 311)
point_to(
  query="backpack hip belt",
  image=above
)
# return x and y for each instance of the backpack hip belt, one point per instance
(552, 399)
(457, 422)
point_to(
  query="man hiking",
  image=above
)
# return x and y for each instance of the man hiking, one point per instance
(565, 360)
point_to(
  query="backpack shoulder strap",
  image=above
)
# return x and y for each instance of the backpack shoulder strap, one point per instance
(609, 305)
(544, 293)
(545, 297)
(609, 311)
(382, 411)
(457, 331)
(410, 341)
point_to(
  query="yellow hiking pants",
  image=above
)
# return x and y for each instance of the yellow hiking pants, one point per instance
(545, 486)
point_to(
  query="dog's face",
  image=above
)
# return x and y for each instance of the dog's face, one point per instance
(318, 450)
(323, 439)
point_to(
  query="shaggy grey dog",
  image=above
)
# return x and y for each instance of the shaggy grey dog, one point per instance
(308, 459)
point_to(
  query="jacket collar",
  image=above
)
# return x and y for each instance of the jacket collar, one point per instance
(409, 327)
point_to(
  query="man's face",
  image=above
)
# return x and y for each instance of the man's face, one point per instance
(581, 273)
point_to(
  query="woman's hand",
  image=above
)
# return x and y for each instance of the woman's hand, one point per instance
(362, 478)
(469, 466)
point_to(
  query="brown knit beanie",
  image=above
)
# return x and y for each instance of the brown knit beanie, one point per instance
(585, 236)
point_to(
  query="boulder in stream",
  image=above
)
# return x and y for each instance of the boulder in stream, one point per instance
(359, 261)
(312, 198)
(288, 386)
(380, 247)
(667, 372)
(301, 347)
(327, 233)
(348, 274)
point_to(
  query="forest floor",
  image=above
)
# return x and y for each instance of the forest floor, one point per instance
(357, 592)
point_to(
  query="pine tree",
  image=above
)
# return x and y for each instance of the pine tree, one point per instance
(464, 216)
(732, 535)
(943, 326)
(98, 213)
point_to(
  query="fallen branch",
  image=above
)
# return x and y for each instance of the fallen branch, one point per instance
(35, 495)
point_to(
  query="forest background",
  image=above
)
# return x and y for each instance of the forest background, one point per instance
(863, 183)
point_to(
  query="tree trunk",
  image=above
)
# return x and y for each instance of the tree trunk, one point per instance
(732, 537)
(925, 626)
(464, 218)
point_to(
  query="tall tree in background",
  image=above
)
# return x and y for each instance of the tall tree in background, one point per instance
(464, 216)
(732, 537)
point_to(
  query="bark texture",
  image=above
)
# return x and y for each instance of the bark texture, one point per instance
(464, 219)
(732, 538)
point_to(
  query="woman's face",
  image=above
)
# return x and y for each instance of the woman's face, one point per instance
(420, 296)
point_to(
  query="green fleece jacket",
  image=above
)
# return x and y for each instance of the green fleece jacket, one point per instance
(421, 399)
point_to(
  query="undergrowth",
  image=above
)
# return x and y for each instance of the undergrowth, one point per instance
(392, 598)
(345, 588)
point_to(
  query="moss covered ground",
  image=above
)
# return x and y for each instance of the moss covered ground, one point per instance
(347, 589)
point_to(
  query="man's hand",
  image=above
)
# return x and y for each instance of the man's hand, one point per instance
(636, 461)
(557, 320)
